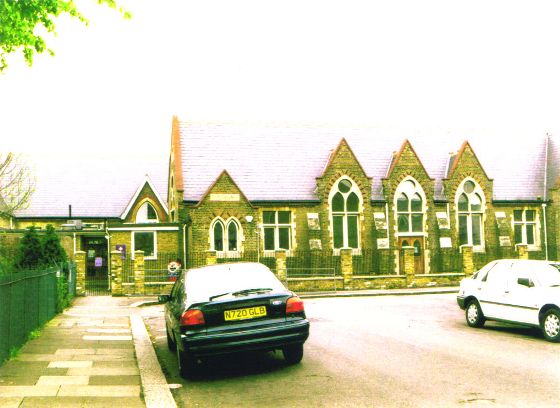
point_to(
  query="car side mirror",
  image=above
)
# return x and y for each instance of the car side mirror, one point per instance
(164, 298)
(525, 282)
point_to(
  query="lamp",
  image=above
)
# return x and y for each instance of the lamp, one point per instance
(249, 218)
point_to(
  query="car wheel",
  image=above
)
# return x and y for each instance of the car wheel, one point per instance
(186, 363)
(171, 345)
(473, 314)
(550, 325)
(293, 353)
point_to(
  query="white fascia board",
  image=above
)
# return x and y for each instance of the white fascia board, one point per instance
(148, 229)
(135, 197)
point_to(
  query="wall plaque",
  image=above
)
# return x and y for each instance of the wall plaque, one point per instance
(382, 243)
(313, 221)
(224, 197)
(505, 241)
(443, 220)
(315, 244)
(380, 221)
(445, 242)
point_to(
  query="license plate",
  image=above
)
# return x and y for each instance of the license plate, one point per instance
(243, 314)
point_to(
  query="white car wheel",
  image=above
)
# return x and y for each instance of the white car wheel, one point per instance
(474, 315)
(551, 325)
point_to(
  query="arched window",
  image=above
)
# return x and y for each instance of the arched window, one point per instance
(410, 207)
(470, 212)
(224, 235)
(146, 213)
(345, 202)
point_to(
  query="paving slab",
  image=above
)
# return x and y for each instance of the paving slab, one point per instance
(114, 380)
(19, 380)
(75, 351)
(103, 357)
(63, 380)
(70, 364)
(10, 402)
(103, 371)
(29, 390)
(99, 391)
(115, 364)
(81, 402)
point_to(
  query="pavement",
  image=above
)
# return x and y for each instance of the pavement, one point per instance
(95, 354)
(98, 354)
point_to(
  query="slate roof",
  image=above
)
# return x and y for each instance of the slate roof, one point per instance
(281, 163)
(99, 187)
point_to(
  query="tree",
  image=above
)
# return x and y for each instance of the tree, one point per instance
(17, 184)
(21, 22)
(52, 252)
(30, 250)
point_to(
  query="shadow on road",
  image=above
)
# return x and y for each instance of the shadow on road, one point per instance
(239, 365)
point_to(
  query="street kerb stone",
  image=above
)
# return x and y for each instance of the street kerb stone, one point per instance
(154, 383)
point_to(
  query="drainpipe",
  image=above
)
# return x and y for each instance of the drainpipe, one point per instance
(545, 195)
(184, 244)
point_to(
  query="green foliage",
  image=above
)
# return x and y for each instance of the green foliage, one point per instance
(63, 297)
(30, 250)
(20, 20)
(52, 252)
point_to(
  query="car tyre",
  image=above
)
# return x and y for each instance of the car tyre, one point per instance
(171, 345)
(293, 353)
(186, 363)
(550, 325)
(474, 315)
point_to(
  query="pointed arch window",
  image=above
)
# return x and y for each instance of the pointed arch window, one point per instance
(410, 207)
(470, 213)
(345, 203)
(146, 214)
(225, 236)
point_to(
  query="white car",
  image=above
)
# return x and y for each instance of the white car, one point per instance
(525, 292)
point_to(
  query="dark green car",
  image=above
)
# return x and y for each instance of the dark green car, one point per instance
(229, 308)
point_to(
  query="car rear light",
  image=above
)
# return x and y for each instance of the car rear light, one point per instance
(294, 305)
(192, 317)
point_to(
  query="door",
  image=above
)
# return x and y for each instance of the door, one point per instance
(493, 290)
(97, 279)
(418, 244)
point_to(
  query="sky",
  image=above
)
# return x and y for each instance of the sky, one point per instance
(431, 66)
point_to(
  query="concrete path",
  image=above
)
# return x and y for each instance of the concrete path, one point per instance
(96, 354)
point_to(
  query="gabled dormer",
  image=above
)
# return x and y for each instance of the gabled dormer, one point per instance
(465, 165)
(405, 164)
(343, 162)
(146, 206)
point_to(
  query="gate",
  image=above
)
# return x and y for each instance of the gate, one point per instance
(97, 270)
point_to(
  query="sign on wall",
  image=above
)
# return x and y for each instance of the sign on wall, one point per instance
(380, 221)
(445, 242)
(224, 197)
(443, 220)
(313, 221)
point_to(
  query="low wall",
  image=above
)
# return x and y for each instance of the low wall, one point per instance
(374, 282)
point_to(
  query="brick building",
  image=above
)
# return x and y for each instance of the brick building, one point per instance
(242, 192)
(100, 205)
(240, 189)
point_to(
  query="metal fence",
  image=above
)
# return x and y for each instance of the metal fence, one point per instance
(28, 300)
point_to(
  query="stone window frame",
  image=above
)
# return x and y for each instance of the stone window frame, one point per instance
(133, 235)
(536, 246)
(226, 253)
(418, 189)
(477, 191)
(277, 225)
(354, 188)
(142, 213)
